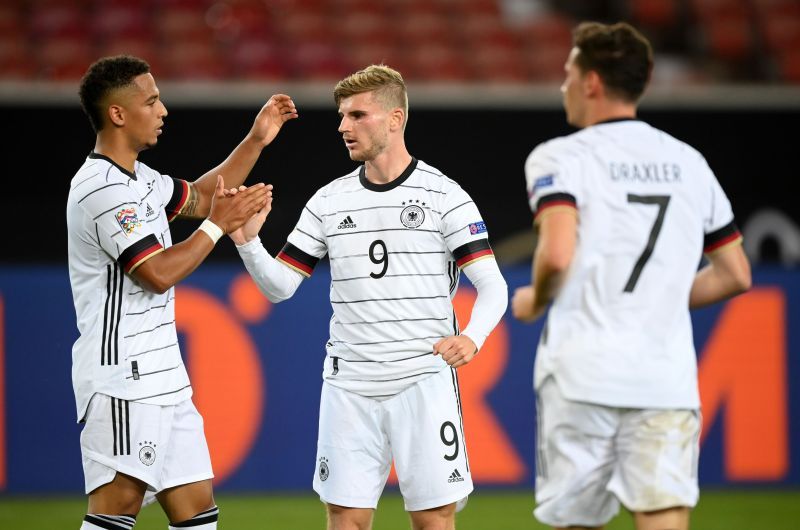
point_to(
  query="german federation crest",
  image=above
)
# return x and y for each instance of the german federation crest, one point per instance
(412, 215)
(324, 472)
(147, 453)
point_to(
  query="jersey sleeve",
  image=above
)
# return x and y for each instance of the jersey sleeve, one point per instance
(117, 215)
(550, 180)
(174, 194)
(719, 225)
(306, 245)
(464, 229)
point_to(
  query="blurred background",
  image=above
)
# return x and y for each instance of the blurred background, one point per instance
(483, 80)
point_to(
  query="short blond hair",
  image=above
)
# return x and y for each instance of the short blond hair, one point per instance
(386, 82)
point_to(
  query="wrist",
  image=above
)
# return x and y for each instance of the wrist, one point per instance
(254, 141)
(212, 230)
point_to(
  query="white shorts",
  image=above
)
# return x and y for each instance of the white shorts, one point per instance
(163, 446)
(420, 428)
(590, 458)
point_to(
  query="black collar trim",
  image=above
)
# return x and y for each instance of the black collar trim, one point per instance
(362, 177)
(104, 157)
(615, 120)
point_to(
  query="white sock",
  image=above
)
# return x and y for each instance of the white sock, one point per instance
(97, 521)
(206, 520)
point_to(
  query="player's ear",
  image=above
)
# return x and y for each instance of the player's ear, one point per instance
(396, 119)
(592, 83)
(116, 115)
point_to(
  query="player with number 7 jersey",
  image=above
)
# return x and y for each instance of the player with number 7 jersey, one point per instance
(649, 207)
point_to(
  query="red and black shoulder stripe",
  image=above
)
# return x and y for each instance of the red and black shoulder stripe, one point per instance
(139, 252)
(472, 251)
(298, 260)
(721, 237)
(553, 200)
(180, 193)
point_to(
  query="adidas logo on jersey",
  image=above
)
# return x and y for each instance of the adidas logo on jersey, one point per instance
(347, 222)
(455, 476)
(150, 211)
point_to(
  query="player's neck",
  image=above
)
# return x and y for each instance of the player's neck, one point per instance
(387, 166)
(117, 151)
(607, 110)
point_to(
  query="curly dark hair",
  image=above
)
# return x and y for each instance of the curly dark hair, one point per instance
(621, 56)
(104, 76)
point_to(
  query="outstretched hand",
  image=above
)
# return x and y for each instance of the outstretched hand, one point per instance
(456, 350)
(230, 210)
(278, 110)
(250, 229)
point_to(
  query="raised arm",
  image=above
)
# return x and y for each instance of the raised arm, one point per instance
(162, 270)
(278, 110)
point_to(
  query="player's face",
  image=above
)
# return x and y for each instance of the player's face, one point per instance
(364, 126)
(144, 112)
(572, 91)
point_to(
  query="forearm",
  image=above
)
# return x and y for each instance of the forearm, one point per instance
(547, 281)
(710, 287)
(237, 166)
(234, 170)
(276, 281)
(491, 302)
(727, 275)
(165, 269)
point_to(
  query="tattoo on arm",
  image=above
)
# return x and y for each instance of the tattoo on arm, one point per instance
(190, 207)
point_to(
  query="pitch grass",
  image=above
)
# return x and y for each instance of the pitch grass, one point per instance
(488, 510)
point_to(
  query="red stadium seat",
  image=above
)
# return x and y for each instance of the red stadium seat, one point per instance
(15, 55)
(317, 60)
(48, 19)
(498, 64)
(654, 13)
(781, 33)
(63, 58)
(258, 58)
(729, 39)
(789, 66)
(432, 62)
(144, 49)
(193, 60)
(424, 29)
(113, 21)
(181, 24)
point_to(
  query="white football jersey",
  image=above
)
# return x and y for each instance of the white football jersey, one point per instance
(619, 332)
(395, 253)
(128, 344)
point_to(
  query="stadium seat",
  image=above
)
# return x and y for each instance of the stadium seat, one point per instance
(362, 56)
(63, 58)
(317, 60)
(144, 49)
(654, 13)
(58, 19)
(113, 21)
(181, 24)
(258, 59)
(15, 60)
(498, 64)
(730, 39)
(437, 62)
(780, 33)
(366, 29)
(193, 60)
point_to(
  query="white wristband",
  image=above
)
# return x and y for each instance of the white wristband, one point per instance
(212, 230)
